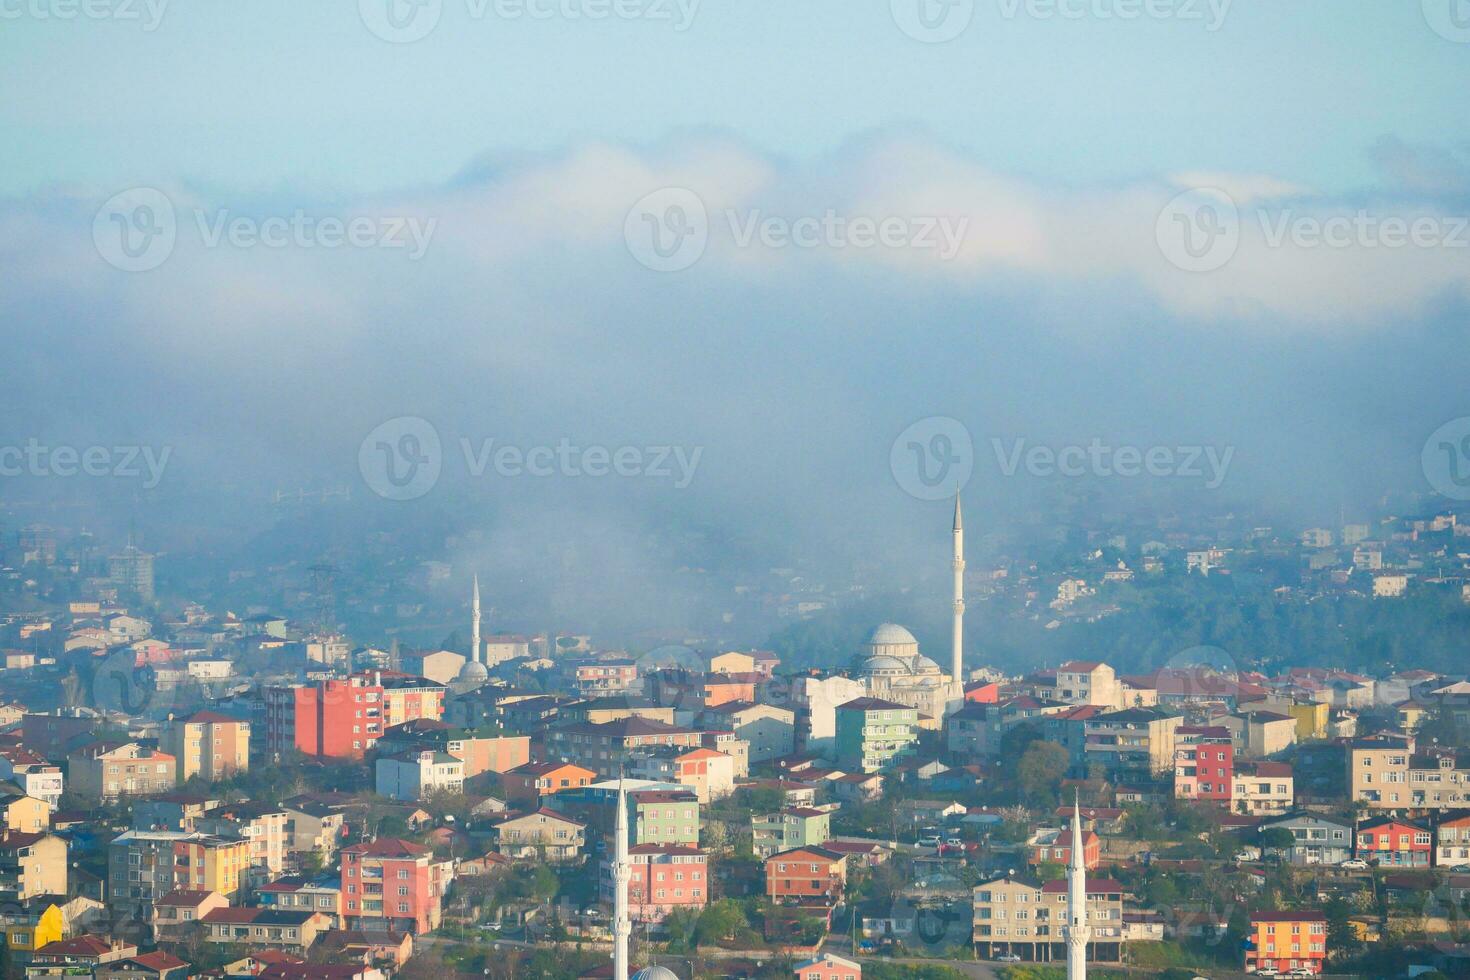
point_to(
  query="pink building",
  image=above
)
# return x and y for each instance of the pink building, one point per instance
(664, 877)
(393, 884)
(828, 967)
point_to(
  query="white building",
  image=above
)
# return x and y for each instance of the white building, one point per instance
(419, 774)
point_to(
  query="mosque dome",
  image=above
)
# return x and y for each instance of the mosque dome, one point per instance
(891, 640)
(655, 973)
(472, 675)
(923, 665)
(883, 666)
(888, 634)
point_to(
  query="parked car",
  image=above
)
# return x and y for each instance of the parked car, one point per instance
(1356, 864)
(930, 841)
(1008, 958)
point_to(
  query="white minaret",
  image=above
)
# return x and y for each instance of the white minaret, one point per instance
(1078, 932)
(475, 622)
(957, 671)
(622, 870)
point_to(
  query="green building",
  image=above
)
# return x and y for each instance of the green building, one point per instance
(797, 826)
(665, 817)
(872, 734)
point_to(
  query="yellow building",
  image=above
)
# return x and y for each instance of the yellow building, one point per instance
(24, 813)
(1311, 719)
(209, 745)
(28, 930)
(32, 864)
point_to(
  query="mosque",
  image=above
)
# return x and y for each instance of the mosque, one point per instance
(892, 668)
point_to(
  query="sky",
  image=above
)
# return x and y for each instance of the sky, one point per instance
(799, 268)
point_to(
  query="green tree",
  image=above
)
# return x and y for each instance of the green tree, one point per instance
(1039, 773)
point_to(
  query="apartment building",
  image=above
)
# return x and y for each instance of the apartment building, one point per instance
(530, 784)
(31, 864)
(1286, 941)
(143, 866)
(264, 826)
(806, 875)
(111, 769)
(1318, 841)
(663, 878)
(1204, 763)
(419, 774)
(1022, 915)
(542, 834)
(797, 826)
(710, 775)
(393, 884)
(1386, 772)
(873, 734)
(32, 772)
(768, 730)
(615, 746)
(1263, 788)
(24, 813)
(208, 745)
(1395, 843)
(340, 719)
(1452, 842)
(1133, 743)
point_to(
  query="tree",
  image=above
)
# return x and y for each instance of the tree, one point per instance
(719, 922)
(1039, 773)
(1277, 839)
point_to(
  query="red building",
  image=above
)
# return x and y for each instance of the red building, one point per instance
(1286, 941)
(1395, 843)
(339, 719)
(1204, 763)
(806, 874)
(1057, 849)
(393, 884)
(664, 877)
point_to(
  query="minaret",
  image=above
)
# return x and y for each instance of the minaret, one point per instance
(957, 671)
(622, 870)
(475, 622)
(1078, 932)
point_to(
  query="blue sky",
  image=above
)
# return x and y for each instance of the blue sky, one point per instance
(285, 91)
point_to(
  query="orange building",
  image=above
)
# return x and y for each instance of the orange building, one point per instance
(530, 783)
(209, 745)
(806, 873)
(1057, 848)
(1286, 941)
